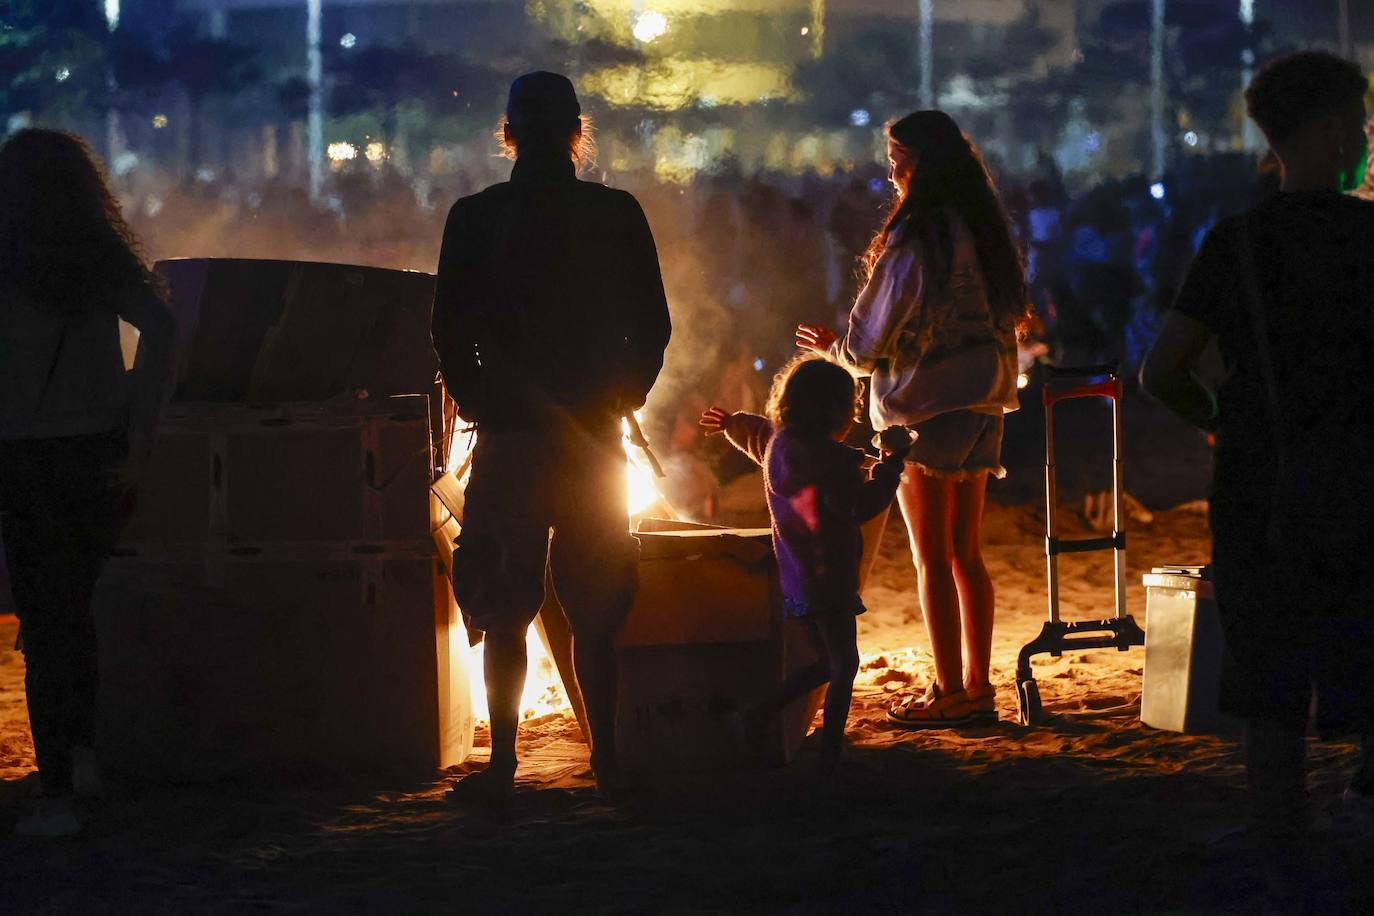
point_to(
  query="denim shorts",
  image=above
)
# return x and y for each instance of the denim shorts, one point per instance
(959, 444)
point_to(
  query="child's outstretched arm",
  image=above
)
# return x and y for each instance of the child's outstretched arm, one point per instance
(746, 431)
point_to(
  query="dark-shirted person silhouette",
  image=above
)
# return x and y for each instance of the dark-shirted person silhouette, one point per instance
(1287, 291)
(550, 324)
(75, 431)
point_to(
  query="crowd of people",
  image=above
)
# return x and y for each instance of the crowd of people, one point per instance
(746, 257)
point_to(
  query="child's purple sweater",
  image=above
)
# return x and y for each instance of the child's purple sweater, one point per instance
(817, 498)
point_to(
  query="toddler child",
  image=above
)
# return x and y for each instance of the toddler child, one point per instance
(817, 498)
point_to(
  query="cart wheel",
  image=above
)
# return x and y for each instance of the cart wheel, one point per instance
(1028, 700)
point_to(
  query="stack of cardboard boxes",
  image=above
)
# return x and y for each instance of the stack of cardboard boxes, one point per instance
(276, 602)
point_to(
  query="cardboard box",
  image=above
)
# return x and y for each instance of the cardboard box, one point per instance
(277, 602)
(280, 331)
(319, 659)
(228, 475)
(705, 638)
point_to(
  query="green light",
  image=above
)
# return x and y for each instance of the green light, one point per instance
(1352, 179)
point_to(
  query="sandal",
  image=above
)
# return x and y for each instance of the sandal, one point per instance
(933, 710)
(982, 703)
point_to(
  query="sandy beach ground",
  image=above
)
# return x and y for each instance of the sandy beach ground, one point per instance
(1092, 812)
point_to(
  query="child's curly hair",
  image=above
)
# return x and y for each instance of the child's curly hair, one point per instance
(810, 394)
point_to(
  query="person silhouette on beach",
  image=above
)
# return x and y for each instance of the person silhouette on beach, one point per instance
(76, 431)
(818, 497)
(550, 323)
(1287, 292)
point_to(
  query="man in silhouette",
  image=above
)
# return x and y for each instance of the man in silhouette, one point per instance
(1287, 292)
(550, 324)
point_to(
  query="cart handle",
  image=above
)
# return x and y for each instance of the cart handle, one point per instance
(1055, 372)
(1108, 388)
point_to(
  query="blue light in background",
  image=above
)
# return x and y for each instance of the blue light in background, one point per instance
(1157, 190)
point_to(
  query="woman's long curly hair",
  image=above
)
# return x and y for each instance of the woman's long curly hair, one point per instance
(63, 240)
(950, 180)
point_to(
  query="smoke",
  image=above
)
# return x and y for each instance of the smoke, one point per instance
(743, 258)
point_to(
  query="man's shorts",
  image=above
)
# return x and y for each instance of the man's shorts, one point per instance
(1297, 622)
(959, 444)
(550, 500)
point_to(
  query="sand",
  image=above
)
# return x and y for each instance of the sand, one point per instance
(1092, 812)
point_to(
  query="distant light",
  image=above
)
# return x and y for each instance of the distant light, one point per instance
(62, 74)
(112, 14)
(341, 151)
(348, 40)
(650, 25)
(806, 30)
(125, 162)
(758, 365)
(859, 117)
(206, 175)
(1247, 57)
(375, 151)
(1157, 190)
(1190, 138)
(153, 205)
(1247, 12)
(159, 121)
(875, 185)
(1092, 142)
(1023, 380)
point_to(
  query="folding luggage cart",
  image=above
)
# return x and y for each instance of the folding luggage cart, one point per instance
(1121, 631)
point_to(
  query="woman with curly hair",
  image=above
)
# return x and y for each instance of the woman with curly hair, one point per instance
(75, 428)
(935, 328)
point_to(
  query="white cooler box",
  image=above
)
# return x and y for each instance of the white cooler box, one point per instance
(1183, 651)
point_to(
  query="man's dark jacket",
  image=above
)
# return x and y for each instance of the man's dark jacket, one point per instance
(549, 299)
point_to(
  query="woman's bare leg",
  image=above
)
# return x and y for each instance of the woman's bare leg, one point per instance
(972, 580)
(926, 503)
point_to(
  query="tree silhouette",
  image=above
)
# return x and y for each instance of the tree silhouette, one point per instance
(52, 58)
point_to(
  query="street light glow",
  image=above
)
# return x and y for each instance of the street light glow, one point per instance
(650, 25)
